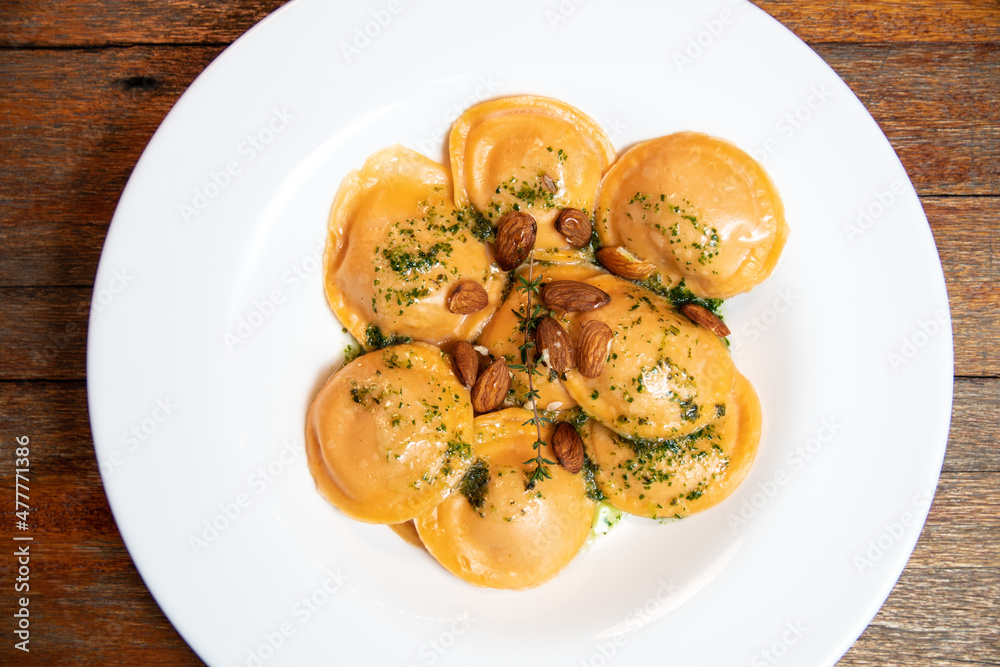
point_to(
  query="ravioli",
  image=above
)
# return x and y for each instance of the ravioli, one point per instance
(389, 435)
(396, 249)
(665, 375)
(531, 154)
(503, 336)
(698, 208)
(516, 537)
(679, 476)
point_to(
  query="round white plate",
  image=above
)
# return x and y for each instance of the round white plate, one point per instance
(210, 334)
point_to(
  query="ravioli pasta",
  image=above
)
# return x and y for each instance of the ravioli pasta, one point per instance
(491, 440)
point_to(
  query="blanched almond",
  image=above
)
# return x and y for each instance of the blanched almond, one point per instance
(593, 347)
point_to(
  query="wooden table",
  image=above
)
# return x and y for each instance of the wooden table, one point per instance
(83, 85)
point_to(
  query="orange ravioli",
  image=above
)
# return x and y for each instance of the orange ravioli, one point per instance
(532, 154)
(503, 337)
(698, 208)
(516, 538)
(389, 434)
(664, 375)
(678, 477)
(396, 249)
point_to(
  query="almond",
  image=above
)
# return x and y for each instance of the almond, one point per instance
(624, 264)
(568, 447)
(465, 361)
(552, 338)
(706, 318)
(571, 296)
(575, 225)
(468, 297)
(515, 238)
(593, 347)
(491, 387)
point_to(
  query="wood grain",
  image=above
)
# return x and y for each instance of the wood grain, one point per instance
(967, 231)
(75, 123)
(88, 23)
(85, 83)
(81, 23)
(93, 602)
(888, 20)
(936, 105)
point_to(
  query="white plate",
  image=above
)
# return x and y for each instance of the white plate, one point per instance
(209, 335)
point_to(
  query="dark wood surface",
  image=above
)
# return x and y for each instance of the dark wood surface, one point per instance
(83, 85)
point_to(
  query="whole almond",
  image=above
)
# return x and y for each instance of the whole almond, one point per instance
(568, 447)
(491, 387)
(465, 360)
(575, 225)
(624, 264)
(468, 297)
(706, 318)
(515, 238)
(593, 347)
(571, 296)
(552, 338)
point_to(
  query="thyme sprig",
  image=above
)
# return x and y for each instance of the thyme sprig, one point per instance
(527, 322)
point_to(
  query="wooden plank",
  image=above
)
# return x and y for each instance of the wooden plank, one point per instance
(944, 617)
(47, 254)
(44, 334)
(75, 123)
(88, 603)
(975, 428)
(936, 104)
(888, 20)
(97, 22)
(967, 231)
(963, 518)
(101, 22)
(94, 606)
